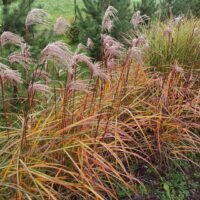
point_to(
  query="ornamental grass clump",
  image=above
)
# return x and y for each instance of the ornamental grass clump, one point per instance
(171, 42)
(81, 135)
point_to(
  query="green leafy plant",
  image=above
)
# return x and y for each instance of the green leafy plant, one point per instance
(174, 186)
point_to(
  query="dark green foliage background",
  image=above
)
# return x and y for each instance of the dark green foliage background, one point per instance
(90, 17)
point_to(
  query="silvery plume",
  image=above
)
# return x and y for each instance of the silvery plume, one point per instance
(196, 31)
(60, 52)
(82, 58)
(10, 76)
(135, 54)
(18, 57)
(90, 43)
(95, 68)
(138, 19)
(99, 72)
(42, 74)
(79, 85)
(3, 67)
(140, 42)
(178, 68)
(61, 25)
(80, 47)
(168, 33)
(8, 37)
(38, 87)
(111, 63)
(179, 20)
(36, 16)
(111, 47)
(109, 16)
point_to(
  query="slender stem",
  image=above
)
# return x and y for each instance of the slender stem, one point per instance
(3, 102)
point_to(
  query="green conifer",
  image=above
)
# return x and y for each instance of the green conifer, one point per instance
(89, 20)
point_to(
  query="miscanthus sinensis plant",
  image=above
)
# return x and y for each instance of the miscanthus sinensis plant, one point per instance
(84, 124)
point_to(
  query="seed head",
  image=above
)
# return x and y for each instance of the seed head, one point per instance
(196, 31)
(93, 67)
(11, 76)
(109, 16)
(138, 19)
(38, 87)
(178, 69)
(60, 52)
(111, 64)
(99, 72)
(179, 20)
(61, 26)
(135, 54)
(36, 16)
(3, 67)
(8, 37)
(20, 58)
(81, 58)
(111, 47)
(42, 74)
(140, 42)
(168, 33)
(79, 86)
(80, 47)
(90, 44)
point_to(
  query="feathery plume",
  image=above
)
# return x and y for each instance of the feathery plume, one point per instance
(111, 64)
(80, 47)
(20, 58)
(8, 37)
(168, 33)
(3, 67)
(42, 74)
(38, 87)
(109, 16)
(61, 26)
(81, 58)
(36, 16)
(111, 47)
(196, 31)
(138, 19)
(90, 44)
(98, 72)
(136, 54)
(178, 20)
(25, 50)
(79, 86)
(60, 52)
(10, 75)
(140, 42)
(178, 69)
